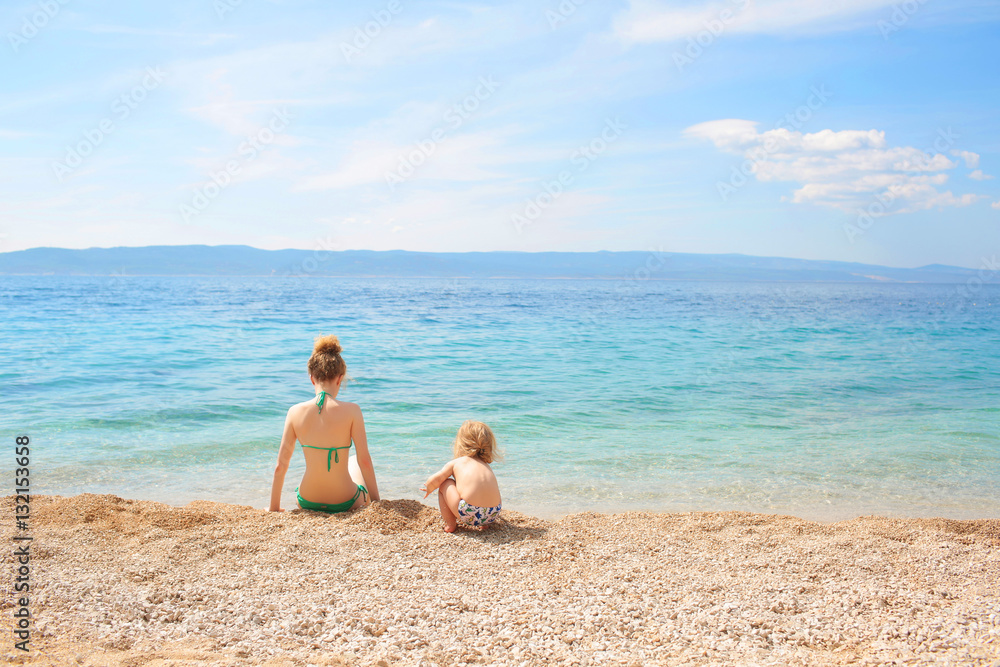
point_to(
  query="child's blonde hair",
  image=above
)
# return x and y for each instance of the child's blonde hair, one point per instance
(476, 439)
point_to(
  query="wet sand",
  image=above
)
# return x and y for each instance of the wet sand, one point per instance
(122, 582)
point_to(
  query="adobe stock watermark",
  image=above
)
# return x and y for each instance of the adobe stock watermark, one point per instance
(581, 158)
(121, 108)
(704, 39)
(321, 253)
(901, 14)
(54, 347)
(884, 201)
(454, 118)
(364, 35)
(750, 328)
(626, 287)
(655, 262)
(246, 153)
(988, 270)
(247, 324)
(35, 22)
(793, 120)
(223, 7)
(561, 14)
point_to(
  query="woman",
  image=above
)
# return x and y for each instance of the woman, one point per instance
(333, 481)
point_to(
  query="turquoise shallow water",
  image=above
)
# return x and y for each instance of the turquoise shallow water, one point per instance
(821, 400)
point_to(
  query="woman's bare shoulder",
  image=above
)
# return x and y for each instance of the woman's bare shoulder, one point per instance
(300, 408)
(344, 409)
(352, 408)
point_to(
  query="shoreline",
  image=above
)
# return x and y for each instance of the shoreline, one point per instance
(119, 581)
(556, 511)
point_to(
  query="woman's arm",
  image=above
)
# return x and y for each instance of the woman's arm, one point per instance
(285, 452)
(360, 439)
(437, 479)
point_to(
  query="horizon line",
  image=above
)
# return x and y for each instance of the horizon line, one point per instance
(471, 252)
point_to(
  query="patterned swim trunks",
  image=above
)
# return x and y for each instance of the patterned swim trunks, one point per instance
(470, 515)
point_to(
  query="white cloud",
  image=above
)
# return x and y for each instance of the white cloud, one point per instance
(841, 169)
(727, 134)
(653, 21)
(971, 159)
(456, 157)
(734, 134)
(14, 134)
(205, 39)
(995, 205)
(220, 106)
(978, 175)
(365, 162)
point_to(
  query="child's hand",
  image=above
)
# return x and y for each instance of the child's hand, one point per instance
(435, 481)
(430, 485)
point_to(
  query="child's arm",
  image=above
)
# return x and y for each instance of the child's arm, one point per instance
(360, 439)
(435, 480)
(285, 452)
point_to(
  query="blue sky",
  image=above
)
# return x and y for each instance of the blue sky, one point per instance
(861, 130)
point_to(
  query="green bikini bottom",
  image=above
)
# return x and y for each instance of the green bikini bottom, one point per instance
(335, 508)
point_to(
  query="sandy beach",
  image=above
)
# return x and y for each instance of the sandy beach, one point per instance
(123, 582)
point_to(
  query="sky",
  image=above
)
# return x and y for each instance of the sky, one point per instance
(856, 130)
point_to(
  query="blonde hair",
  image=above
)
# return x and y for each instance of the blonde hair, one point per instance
(476, 439)
(326, 362)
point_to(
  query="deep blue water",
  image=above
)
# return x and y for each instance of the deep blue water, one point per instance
(820, 400)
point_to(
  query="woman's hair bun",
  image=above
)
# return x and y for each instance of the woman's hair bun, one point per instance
(327, 345)
(326, 362)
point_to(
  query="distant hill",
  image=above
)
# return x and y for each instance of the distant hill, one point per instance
(246, 261)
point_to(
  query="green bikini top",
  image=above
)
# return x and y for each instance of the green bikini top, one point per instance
(330, 451)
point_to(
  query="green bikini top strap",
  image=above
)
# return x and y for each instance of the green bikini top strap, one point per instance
(336, 455)
(330, 452)
(320, 400)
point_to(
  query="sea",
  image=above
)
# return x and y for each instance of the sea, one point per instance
(825, 401)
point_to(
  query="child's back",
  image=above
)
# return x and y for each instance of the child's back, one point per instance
(475, 481)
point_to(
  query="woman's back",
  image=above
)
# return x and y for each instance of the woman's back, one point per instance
(329, 427)
(325, 436)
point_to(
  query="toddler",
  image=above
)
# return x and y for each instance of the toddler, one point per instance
(468, 493)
